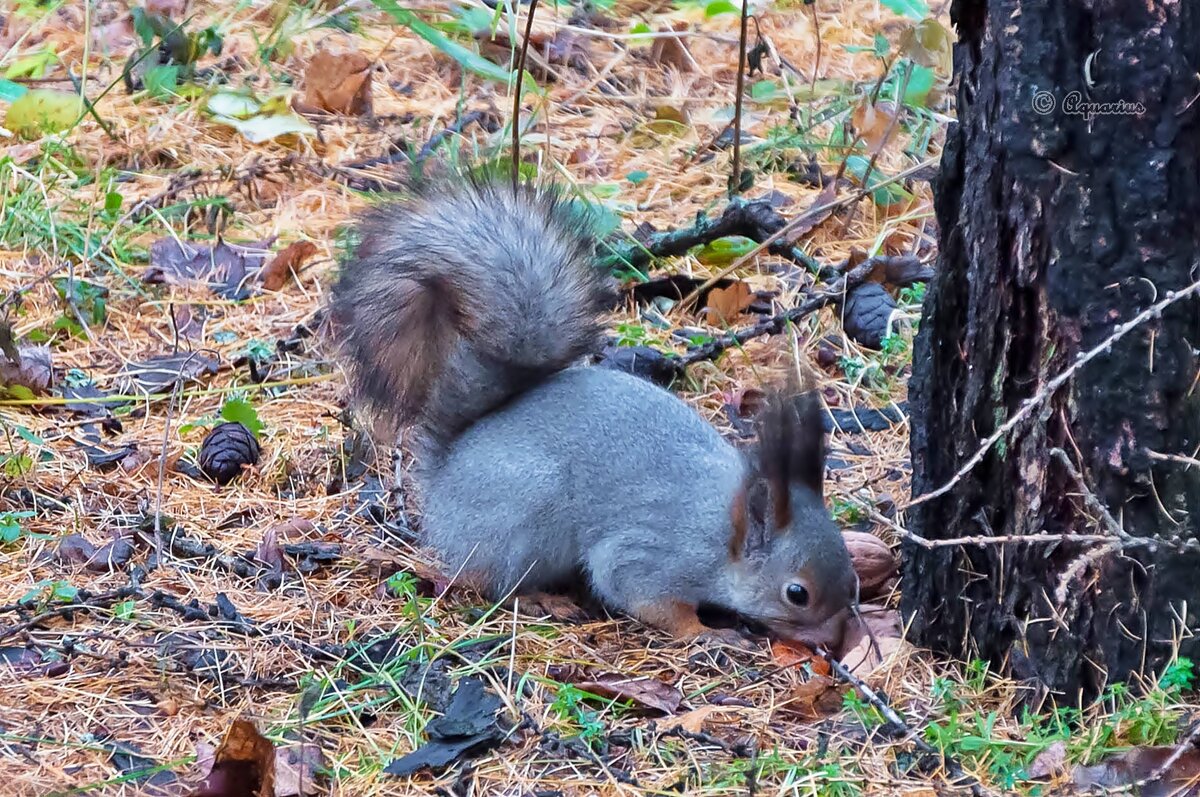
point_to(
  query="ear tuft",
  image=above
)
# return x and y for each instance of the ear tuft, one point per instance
(791, 449)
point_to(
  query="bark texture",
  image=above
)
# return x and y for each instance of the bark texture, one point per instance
(1056, 226)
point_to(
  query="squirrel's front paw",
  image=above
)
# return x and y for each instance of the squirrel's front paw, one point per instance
(725, 638)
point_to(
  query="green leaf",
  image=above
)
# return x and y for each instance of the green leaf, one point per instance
(161, 81)
(724, 251)
(238, 410)
(638, 177)
(124, 610)
(916, 9)
(43, 111)
(882, 46)
(234, 104)
(19, 392)
(112, 202)
(33, 66)
(29, 437)
(10, 91)
(717, 7)
(258, 129)
(637, 37)
(467, 59)
(17, 465)
(920, 83)
(885, 196)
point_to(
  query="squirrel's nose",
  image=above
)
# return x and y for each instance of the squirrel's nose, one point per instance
(827, 634)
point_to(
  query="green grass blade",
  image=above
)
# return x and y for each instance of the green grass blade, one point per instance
(468, 59)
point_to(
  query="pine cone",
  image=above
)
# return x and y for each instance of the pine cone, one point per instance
(225, 450)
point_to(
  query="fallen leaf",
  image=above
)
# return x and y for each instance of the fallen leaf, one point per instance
(819, 696)
(224, 268)
(590, 160)
(858, 653)
(286, 264)
(294, 528)
(159, 374)
(929, 44)
(171, 9)
(671, 51)
(693, 721)
(42, 111)
(338, 83)
(116, 37)
(74, 549)
(472, 725)
(189, 321)
(726, 304)
(791, 654)
(139, 768)
(101, 460)
(1050, 762)
(270, 555)
(111, 556)
(243, 766)
(648, 692)
(816, 213)
(33, 369)
(873, 121)
(296, 767)
(1182, 779)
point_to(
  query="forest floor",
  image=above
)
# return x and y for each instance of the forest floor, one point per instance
(144, 610)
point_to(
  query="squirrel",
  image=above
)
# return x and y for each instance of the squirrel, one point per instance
(466, 315)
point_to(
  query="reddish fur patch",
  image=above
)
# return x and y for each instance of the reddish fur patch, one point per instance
(737, 515)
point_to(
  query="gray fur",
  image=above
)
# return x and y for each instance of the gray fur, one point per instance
(540, 474)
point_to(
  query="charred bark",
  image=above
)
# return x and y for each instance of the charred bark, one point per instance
(1057, 225)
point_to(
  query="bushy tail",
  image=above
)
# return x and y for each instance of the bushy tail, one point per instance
(464, 296)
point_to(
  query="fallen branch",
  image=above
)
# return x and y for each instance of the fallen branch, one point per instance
(755, 220)
(898, 728)
(778, 323)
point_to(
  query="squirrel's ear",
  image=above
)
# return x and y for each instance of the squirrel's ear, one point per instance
(791, 450)
(748, 512)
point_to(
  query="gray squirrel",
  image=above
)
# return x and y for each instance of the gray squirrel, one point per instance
(466, 314)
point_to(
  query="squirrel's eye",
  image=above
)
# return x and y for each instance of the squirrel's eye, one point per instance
(797, 594)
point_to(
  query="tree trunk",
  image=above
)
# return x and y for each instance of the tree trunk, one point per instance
(1055, 227)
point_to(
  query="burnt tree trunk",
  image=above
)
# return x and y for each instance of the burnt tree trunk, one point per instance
(1056, 227)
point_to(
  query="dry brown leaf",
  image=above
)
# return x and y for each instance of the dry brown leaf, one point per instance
(791, 654)
(648, 692)
(244, 764)
(338, 83)
(814, 216)
(819, 696)
(724, 305)
(32, 370)
(296, 528)
(858, 653)
(1050, 762)
(671, 51)
(873, 121)
(296, 767)
(693, 721)
(171, 9)
(286, 264)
